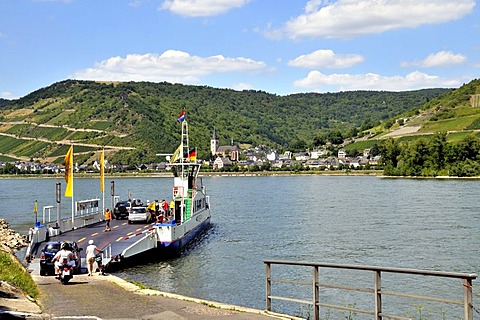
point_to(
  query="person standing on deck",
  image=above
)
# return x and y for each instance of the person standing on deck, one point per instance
(108, 218)
(172, 208)
(165, 207)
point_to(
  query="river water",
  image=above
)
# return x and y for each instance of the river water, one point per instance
(410, 223)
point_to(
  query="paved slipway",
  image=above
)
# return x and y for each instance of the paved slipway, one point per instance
(108, 297)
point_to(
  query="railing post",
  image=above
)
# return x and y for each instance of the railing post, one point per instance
(467, 299)
(316, 306)
(378, 294)
(268, 286)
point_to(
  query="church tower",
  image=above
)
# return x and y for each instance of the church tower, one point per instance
(214, 143)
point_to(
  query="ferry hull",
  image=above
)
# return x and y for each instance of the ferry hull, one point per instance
(158, 250)
(178, 244)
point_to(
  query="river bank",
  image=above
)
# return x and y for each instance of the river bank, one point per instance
(376, 173)
(10, 240)
(202, 174)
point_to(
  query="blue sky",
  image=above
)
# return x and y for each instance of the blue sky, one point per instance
(277, 46)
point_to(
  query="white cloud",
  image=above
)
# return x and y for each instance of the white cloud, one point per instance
(135, 3)
(325, 59)
(171, 66)
(201, 8)
(318, 82)
(8, 95)
(439, 59)
(242, 86)
(353, 18)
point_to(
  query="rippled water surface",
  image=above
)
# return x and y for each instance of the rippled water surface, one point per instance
(411, 223)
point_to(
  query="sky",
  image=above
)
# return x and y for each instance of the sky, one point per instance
(277, 46)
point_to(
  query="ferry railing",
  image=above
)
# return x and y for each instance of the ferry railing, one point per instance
(377, 292)
(106, 254)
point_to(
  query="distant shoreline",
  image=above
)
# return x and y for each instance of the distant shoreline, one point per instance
(376, 173)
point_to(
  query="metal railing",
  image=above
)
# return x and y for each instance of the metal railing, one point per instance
(376, 291)
(107, 254)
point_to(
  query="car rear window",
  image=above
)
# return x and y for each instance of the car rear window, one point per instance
(52, 247)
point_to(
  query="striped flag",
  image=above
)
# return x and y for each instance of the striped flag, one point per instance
(181, 116)
(192, 155)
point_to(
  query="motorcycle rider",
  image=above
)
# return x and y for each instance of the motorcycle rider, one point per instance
(63, 256)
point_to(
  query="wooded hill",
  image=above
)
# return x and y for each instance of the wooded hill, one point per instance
(451, 114)
(135, 120)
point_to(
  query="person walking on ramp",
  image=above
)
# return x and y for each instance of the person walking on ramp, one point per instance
(108, 218)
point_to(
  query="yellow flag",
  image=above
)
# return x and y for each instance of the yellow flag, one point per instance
(175, 155)
(35, 207)
(102, 172)
(69, 172)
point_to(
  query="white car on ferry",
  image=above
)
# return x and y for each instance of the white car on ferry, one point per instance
(140, 214)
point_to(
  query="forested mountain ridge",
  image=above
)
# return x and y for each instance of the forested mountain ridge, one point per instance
(142, 115)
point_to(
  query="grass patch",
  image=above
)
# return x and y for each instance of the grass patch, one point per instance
(361, 145)
(15, 274)
(141, 285)
(31, 148)
(7, 144)
(7, 159)
(83, 135)
(101, 125)
(455, 124)
(457, 136)
(466, 111)
(17, 129)
(475, 125)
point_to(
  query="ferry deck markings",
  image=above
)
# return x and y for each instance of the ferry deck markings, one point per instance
(101, 236)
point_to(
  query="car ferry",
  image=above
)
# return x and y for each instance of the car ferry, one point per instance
(188, 216)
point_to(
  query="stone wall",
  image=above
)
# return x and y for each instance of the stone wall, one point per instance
(475, 100)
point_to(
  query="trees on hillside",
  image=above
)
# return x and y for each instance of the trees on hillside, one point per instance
(433, 157)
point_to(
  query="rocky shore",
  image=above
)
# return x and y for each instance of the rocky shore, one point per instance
(10, 241)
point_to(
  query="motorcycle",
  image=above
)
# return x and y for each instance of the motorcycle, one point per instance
(66, 273)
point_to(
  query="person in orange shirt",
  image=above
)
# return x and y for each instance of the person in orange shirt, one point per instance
(108, 218)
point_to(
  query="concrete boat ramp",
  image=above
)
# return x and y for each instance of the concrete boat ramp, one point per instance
(109, 297)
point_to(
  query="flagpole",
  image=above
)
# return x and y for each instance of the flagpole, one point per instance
(102, 178)
(35, 210)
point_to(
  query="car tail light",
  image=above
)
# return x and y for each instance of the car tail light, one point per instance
(42, 256)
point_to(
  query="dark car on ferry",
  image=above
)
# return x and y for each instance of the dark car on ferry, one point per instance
(48, 252)
(122, 210)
